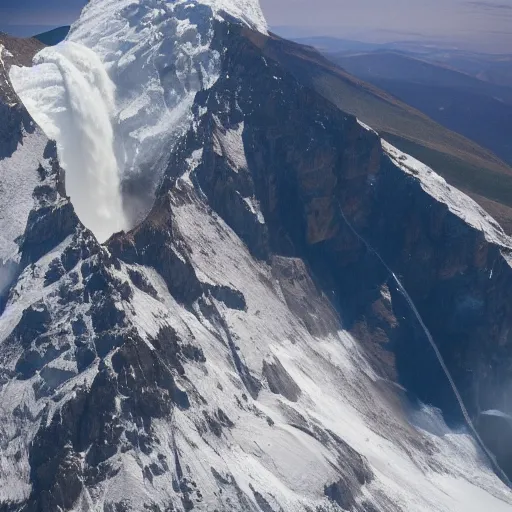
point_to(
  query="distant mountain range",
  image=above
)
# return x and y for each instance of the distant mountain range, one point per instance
(492, 68)
(478, 110)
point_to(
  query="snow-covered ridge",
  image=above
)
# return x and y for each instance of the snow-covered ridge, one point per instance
(457, 202)
(436, 186)
(248, 12)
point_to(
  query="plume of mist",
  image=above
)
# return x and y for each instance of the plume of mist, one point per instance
(71, 97)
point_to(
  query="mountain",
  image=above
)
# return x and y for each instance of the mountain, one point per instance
(303, 318)
(393, 65)
(495, 69)
(336, 45)
(53, 37)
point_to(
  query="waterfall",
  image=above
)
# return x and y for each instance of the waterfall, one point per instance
(71, 97)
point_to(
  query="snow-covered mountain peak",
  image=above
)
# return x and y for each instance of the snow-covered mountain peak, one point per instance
(151, 57)
(247, 11)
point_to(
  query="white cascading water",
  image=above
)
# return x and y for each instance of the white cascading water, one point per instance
(71, 97)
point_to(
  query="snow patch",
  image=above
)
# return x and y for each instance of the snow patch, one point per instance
(366, 127)
(254, 208)
(193, 162)
(229, 143)
(248, 11)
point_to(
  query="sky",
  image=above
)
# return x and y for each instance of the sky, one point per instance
(29, 17)
(484, 25)
(480, 24)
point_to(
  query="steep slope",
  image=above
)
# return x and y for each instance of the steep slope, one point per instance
(476, 109)
(244, 347)
(462, 162)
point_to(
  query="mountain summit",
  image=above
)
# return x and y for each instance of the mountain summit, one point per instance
(158, 55)
(296, 316)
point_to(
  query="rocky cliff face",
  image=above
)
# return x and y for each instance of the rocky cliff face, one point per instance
(245, 346)
(13, 51)
(330, 193)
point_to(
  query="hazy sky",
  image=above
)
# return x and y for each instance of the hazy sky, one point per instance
(485, 24)
(27, 17)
